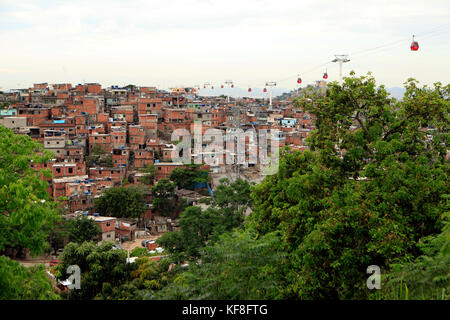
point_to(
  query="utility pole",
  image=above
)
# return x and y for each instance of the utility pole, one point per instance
(341, 58)
(270, 84)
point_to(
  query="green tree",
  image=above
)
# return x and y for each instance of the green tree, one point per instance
(83, 229)
(121, 202)
(27, 212)
(187, 176)
(369, 189)
(165, 198)
(97, 150)
(20, 283)
(198, 227)
(58, 235)
(102, 266)
(427, 277)
(139, 252)
(238, 266)
(150, 172)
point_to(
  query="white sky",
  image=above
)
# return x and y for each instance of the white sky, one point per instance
(189, 42)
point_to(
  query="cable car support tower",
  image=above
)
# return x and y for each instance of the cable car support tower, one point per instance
(270, 84)
(341, 58)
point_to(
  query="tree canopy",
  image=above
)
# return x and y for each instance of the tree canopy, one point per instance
(28, 213)
(100, 265)
(187, 176)
(20, 283)
(372, 185)
(83, 229)
(164, 197)
(199, 226)
(121, 202)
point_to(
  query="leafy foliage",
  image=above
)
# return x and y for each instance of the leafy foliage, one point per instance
(150, 172)
(101, 266)
(238, 266)
(165, 198)
(27, 211)
(83, 229)
(369, 189)
(20, 283)
(199, 226)
(187, 176)
(121, 202)
(428, 277)
(139, 252)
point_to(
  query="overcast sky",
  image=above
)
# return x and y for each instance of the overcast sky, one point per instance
(189, 42)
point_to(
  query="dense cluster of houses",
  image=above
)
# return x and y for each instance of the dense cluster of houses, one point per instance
(133, 126)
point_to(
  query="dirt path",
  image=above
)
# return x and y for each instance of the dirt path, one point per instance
(130, 245)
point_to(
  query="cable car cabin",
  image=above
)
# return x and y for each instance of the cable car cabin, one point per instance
(414, 46)
(249, 89)
(325, 75)
(232, 86)
(299, 80)
(265, 90)
(221, 86)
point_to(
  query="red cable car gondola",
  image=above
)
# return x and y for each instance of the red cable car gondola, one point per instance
(232, 86)
(204, 87)
(249, 89)
(325, 75)
(299, 80)
(221, 86)
(414, 45)
(265, 90)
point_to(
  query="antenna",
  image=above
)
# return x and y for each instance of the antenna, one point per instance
(341, 58)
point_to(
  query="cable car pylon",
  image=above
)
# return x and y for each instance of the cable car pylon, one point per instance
(270, 84)
(341, 58)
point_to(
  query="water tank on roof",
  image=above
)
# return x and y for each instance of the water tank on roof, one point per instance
(96, 214)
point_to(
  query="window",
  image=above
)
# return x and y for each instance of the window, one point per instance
(108, 224)
(70, 170)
